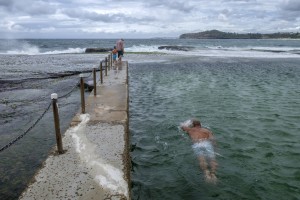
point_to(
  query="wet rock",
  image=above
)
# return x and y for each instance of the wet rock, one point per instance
(176, 48)
(97, 50)
(88, 84)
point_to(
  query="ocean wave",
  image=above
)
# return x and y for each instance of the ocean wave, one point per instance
(33, 50)
(143, 48)
(255, 51)
(66, 51)
(204, 48)
(16, 47)
(29, 50)
(221, 51)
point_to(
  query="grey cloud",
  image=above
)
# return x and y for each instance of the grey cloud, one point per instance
(288, 16)
(291, 5)
(183, 6)
(149, 17)
(28, 7)
(108, 18)
(289, 11)
(243, 1)
(225, 12)
(39, 9)
(5, 3)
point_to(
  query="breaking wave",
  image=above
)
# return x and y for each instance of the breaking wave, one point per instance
(16, 47)
(220, 51)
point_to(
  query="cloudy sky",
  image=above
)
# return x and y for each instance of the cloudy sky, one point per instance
(143, 19)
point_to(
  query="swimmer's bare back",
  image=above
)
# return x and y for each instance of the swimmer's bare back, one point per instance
(197, 133)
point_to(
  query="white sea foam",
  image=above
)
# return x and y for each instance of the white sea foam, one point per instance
(16, 47)
(220, 51)
(143, 48)
(187, 123)
(104, 174)
(26, 49)
(69, 50)
(34, 50)
(209, 49)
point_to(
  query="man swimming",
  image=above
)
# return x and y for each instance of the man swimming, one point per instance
(203, 146)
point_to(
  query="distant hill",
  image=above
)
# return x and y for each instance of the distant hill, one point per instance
(215, 34)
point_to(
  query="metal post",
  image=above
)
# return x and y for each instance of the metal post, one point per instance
(101, 73)
(82, 94)
(127, 72)
(105, 66)
(95, 87)
(109, 61)
(110, 56)
(56, 124)
(106, 63)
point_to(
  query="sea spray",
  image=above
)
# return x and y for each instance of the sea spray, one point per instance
(187, 123)
(66, 51)
(106, 175)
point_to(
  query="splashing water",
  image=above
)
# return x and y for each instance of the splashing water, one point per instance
(187, 123)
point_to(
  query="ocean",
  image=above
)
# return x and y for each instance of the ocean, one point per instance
(246, 91)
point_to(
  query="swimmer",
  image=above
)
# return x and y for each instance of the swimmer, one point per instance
(203, 146)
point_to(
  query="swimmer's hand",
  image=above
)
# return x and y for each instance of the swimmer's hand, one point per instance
(188, 123)
(185, 128)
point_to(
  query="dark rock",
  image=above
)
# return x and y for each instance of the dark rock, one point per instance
(88, 84)
(176, 48)
(97, 50)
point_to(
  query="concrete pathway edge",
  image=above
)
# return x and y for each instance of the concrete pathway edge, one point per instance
(96, 162)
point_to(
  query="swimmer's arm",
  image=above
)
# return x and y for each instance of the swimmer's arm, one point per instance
(212, 139)
(185, 128)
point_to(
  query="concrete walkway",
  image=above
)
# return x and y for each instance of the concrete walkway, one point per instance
(96, 164)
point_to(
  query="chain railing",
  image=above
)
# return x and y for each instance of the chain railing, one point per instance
(69, 93)
(36, 122)
(107, 62)
(22, 135)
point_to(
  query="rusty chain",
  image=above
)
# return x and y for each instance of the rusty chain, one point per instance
(35, 123)
(22, 135)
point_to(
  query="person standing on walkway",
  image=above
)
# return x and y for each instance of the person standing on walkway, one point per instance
(120, 48)
(114, 54)
(203, 147)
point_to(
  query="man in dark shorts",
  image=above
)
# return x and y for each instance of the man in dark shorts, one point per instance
(120, 48)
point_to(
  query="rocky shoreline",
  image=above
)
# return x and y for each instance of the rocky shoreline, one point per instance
(216, 34)
(176, 48)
